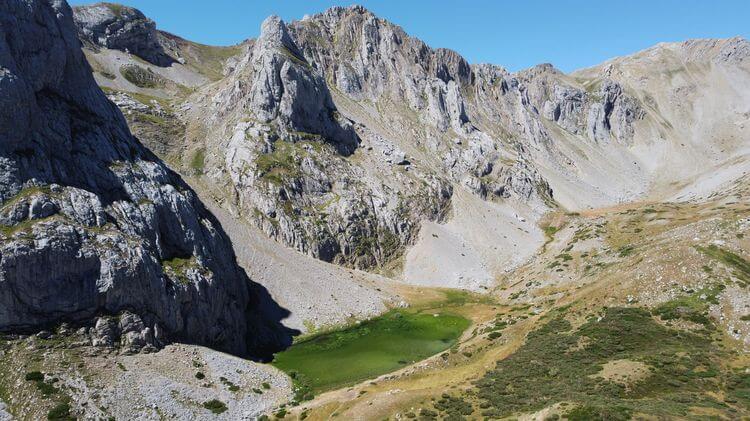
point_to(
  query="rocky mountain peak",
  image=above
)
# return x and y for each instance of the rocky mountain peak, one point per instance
(333, 15)
(274, 35)
(735, 50)
(449, 65)
(122, 28)
(277, 85)
(540, 70)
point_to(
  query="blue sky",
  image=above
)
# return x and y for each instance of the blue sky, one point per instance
(516, 34)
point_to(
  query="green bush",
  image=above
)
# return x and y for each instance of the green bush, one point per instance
(34, 376)
(691, 306)
(45, 388)
(427, 413)
(61, 412)
(591, 413)
(140, 77)
(230, 386)
(626, 251)
(455, 408)
(738, 263)
(198, 162)
(216, 406)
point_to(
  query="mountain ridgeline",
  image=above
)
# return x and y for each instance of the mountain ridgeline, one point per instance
(165, 203)
(339, 134)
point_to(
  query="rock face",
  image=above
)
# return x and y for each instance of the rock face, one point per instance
(121, 28)
(603, 115)
(283, 145)
(295, 92)
(418, 121)
(92, 223)
(286, 90)
(614, 114)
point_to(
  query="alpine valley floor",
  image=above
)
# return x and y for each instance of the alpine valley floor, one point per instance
(409, 235)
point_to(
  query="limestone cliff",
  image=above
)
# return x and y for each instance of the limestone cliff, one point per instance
(121, 28)
(93, 224)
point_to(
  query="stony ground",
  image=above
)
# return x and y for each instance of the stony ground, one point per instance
(93, 383)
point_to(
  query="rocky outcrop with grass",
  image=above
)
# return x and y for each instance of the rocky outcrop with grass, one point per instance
(278, 138)
(121, 28)
(285, 90)
(339, 134)
(92, 224)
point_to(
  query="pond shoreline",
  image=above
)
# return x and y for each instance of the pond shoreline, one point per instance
(350, 354)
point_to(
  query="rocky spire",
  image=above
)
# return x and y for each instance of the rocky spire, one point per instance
(274, 35)
(287, 90)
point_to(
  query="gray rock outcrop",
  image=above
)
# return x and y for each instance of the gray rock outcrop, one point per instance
(285, 146)
(272, 117)
(92, 223)
(614, 114)
(121, 28)
(283, 89)
(372, 60)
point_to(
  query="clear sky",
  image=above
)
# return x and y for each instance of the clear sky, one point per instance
(516, 34)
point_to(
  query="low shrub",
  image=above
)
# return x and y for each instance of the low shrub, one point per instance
(216, 406)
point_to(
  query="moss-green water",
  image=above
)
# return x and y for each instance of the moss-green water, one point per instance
(369, 349)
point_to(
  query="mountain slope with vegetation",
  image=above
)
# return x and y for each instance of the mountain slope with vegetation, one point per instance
(590, 229)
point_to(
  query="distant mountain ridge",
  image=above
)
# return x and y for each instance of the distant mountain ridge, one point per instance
(422, 122)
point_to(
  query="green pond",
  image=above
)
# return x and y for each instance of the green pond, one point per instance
(369, 349)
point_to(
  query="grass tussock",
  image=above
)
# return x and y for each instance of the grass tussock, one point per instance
(739, 265)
